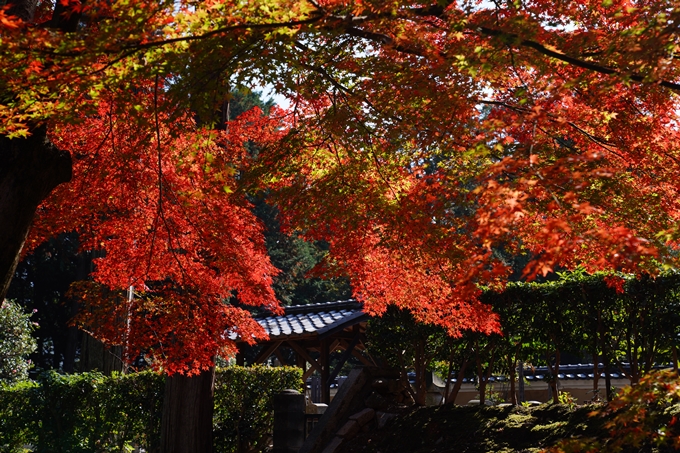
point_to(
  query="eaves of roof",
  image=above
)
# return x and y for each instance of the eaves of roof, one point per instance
(313, 321)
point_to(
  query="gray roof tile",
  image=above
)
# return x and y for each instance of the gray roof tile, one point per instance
(311, 319)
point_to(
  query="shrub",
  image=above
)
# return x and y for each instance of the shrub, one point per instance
(644, 417)
(16, 342)
(90, 412)
(243, 419)
(85, 412)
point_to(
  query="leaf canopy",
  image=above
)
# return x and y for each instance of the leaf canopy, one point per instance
(421, 138)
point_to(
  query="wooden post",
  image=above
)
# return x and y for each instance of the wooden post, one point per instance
(325, 372)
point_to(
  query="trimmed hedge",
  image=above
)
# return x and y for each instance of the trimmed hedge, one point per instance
(90, 412)
(244, 412)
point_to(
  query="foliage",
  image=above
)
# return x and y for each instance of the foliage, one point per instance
(90, 412)
(83, 412)
(403, 343)
(198, 248)
(613, 317)
(422, 138)
(298, 283)
(567, 399)
(244, 405)
(623, 318)
(16, 342)
(477, 429)
(393, 337)
(642, 417)
(40, 283)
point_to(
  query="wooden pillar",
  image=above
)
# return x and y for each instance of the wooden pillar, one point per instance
(325, 372)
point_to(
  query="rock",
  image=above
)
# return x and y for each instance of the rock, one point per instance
(376, 401)
(383, 417)
(364, 417)
(334, 445)
(349, 430)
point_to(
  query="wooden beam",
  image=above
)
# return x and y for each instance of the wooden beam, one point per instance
(279, 355)
(300, 350)
(343, 358)
(361, 358)
(307, 374)
(265, 353)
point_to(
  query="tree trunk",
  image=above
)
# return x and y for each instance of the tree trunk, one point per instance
(451, 397)
(596, 374)
(513, 388)
(186, 426)
(24, 9)
(420, 369)
(96, 356)
(554, 382)
(447, 387)
(30, 168)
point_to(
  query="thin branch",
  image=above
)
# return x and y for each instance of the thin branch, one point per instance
(511, 37)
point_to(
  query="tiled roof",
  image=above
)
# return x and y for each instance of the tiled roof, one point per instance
(313, 320)
(578, 371)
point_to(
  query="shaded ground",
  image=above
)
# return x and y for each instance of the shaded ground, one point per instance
(473, 429)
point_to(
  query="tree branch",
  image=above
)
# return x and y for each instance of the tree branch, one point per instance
(511, 37)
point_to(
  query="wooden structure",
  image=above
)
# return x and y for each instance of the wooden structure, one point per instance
(307, 335)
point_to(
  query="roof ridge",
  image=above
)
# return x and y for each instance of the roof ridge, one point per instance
(323, 306)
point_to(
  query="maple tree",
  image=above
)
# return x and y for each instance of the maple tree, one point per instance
(421, 140)
(166, 220)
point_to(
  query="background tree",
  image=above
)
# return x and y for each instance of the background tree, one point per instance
(16, 342)
(41, 282)
(510, 163)
(515, 342)
(402, 342)
(552, 126)
(645, 324)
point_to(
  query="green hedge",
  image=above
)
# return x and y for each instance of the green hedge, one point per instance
(90, 412)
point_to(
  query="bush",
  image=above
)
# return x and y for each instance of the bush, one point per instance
(90, 412)
(16, 342)
(641, 418)
(85, 412)
(243, 419)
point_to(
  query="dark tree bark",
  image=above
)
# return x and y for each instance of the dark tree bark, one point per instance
(420, 365)
(97, 356)
(451, 396)
(554, 381)
(30, 168)
(513, 387)
(23, 9)
(187, 413)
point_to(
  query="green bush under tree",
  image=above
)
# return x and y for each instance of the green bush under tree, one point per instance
(90, 412)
